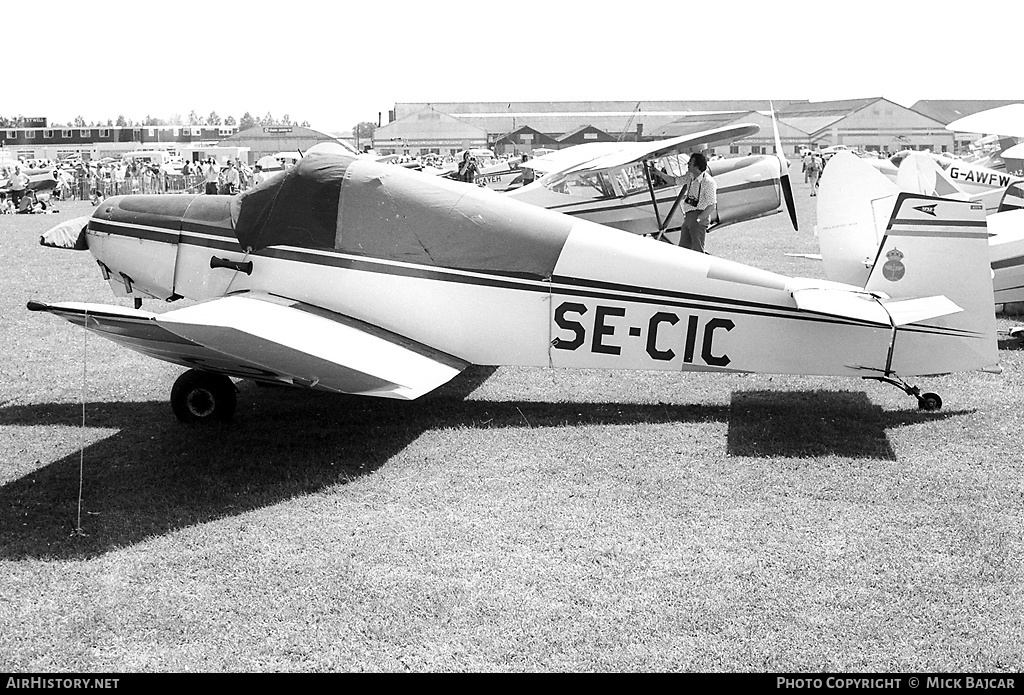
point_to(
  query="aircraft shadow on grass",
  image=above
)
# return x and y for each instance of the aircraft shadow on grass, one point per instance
(155, 475)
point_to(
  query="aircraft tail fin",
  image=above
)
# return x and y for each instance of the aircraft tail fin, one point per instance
(932, 269)
(919, 173)
(855, 201)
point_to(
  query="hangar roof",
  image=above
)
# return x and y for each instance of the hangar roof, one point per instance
(947, 111)
(561, 117)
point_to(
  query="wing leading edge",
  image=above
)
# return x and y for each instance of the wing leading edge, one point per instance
(269, 338)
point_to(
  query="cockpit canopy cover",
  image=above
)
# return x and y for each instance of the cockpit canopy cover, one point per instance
(366, 208)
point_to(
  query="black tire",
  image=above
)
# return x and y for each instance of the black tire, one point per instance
(929, 401)
(199, 396)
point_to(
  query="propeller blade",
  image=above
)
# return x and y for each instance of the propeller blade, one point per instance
(787, 188)
(787, 193)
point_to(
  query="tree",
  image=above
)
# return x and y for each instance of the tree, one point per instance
(267, 120)
(120, 121)
(193, 118)
(364, 130)
(305, 124)
(230, 120)
(79, 122)
(247, 121)
(213, 119)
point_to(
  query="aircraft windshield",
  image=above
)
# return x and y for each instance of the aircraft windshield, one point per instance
(585, 185)
(617, 181)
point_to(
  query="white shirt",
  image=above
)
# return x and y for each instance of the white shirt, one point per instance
(703, 188)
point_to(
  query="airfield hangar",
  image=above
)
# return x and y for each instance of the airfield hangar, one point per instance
(874, 124)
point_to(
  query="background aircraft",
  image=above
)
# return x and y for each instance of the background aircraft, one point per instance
(632, 185)
(855, 203)
(983, 184)
(39, 179)
(348, 275)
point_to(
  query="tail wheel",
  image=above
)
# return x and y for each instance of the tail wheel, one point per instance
(929, 401)
(199, 396)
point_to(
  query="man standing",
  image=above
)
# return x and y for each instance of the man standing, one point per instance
(231, 179)
(807, 161)
(814, 172)
(212, 172)
(19, 182)
(698, 204)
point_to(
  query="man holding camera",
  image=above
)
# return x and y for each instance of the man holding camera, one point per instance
(698, 204)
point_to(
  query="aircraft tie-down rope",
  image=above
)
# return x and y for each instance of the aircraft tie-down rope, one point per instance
(81, 440)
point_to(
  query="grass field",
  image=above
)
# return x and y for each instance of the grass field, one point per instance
(514, 520)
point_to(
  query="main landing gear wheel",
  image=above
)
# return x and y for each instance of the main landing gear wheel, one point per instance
(199, 396)
(929, 401)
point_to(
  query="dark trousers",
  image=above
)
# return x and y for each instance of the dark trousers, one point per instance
(693, 233)
(211, 188)
(16, 196)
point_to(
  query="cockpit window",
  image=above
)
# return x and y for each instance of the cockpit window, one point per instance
(590, 185)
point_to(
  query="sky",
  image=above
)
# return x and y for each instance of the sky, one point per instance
(336, 64)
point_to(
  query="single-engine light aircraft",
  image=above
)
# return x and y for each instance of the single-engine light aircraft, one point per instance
(633, 185)
(347, 275)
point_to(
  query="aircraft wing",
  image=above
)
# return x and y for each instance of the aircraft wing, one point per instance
(269, 338)
(631, 152)
(1013, 152)
(561, 160)
(1004, 120)
(604, 155)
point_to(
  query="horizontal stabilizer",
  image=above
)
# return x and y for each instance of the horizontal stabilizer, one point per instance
(858, 306)
(904, 311)
(862, 306)
(272, 339)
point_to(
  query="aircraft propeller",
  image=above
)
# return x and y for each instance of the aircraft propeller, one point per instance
(787, 188)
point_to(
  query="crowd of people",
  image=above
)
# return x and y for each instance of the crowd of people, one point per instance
(96, 180)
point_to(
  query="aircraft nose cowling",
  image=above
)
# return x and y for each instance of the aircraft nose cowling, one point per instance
(174, 213)
(137, 238)
(145, 211)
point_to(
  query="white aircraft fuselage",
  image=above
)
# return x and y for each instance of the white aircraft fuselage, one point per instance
(490, 281)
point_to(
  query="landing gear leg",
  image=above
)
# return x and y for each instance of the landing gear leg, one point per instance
(199, 396)
(925, 401)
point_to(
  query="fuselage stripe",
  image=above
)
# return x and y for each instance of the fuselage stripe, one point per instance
(563, 285)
